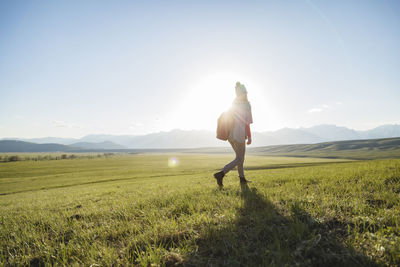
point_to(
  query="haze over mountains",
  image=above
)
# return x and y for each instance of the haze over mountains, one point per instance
(199, 138)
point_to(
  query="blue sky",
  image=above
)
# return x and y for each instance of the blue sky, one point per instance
(71, 68)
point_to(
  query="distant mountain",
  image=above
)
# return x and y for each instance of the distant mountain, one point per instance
(285, 136)
(171, 139)
(21, 146)
(197, 138)
(332, 133)
(47, 140)
(384, 131)
(100, 145)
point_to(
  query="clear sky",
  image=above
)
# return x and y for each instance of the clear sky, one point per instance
(71, 68)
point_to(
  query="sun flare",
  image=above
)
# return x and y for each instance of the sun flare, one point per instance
(208, 98)
(173, 162)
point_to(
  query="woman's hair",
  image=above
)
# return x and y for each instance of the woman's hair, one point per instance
(241, 93)
(241, 99)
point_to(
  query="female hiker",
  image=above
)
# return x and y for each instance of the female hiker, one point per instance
(242, 117)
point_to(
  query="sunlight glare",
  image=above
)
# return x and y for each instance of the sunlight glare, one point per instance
(173, 162)
(208, 98)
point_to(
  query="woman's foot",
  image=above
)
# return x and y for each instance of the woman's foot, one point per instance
(219, 176)
(243, 180)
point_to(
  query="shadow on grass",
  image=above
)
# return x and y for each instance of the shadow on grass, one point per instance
(294, 165)
(261, 236)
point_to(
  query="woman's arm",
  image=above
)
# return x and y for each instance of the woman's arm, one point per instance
(248, 134)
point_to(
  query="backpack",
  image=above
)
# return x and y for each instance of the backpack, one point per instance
(224, 125)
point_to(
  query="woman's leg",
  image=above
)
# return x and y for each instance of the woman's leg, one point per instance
(239, 157)
(240, 152)
(220, 175)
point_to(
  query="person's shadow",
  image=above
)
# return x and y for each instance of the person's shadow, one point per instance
(262, 236)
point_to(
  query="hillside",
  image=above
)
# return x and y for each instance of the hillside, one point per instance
(21, 146)
(355, 149)
(352, 149)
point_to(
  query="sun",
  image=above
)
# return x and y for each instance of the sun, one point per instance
(209, 96)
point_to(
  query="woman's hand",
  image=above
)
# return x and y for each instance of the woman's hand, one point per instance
(249, 140)
(248, 134)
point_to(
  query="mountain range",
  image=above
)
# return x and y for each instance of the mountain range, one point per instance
(201, 138)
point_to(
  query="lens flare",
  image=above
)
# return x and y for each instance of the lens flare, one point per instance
(173, 162)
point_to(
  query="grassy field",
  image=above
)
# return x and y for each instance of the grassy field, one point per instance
(140, 210)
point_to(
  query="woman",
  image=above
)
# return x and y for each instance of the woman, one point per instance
(242, 117)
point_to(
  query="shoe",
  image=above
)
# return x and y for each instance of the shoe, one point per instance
(243, 180)
(219, 176)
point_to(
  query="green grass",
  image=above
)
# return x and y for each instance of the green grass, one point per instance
(135, 210)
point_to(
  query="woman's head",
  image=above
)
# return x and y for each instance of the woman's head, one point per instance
(240, 89)
(241, 92)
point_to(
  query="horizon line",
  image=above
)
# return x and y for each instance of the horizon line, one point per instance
(189, 130)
